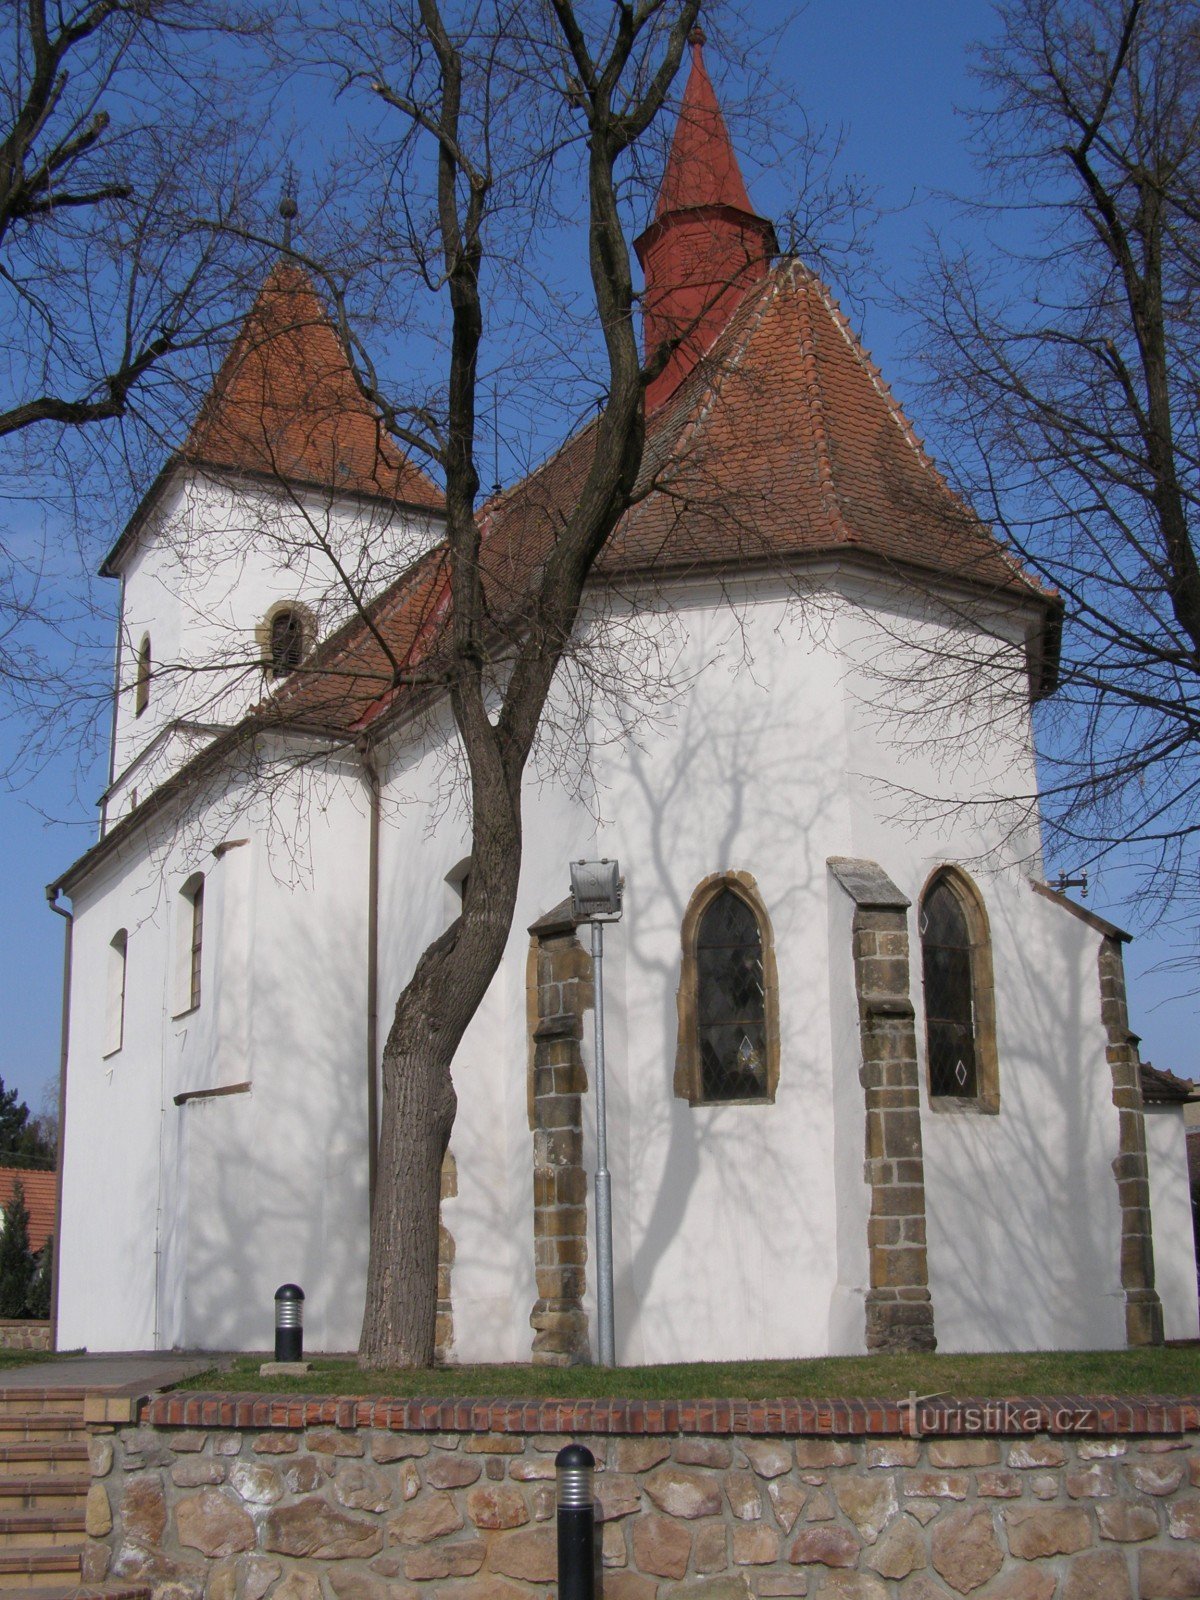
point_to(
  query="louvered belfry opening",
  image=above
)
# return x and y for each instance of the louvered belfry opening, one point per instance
(287, 643)
(949, 994)
(731, 1003)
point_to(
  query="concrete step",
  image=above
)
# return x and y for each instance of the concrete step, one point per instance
(28, 1530)
(43, 1491)
(39, 1456)
(23, 1569)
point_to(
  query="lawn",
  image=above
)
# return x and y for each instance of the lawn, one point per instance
(1173, 1371)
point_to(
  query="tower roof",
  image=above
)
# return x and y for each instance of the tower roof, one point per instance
(702, 169)
(285, 403)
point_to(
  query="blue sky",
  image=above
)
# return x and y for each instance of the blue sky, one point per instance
(890, 77)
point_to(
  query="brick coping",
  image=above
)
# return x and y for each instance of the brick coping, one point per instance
(922, 1416)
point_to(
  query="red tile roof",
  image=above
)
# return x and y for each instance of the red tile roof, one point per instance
(702, 169)
(783, 444)
(41, 1198)
(285, 403)
(1160, 1087)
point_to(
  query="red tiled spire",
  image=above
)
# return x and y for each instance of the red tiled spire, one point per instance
(706, 246)
(285, 403)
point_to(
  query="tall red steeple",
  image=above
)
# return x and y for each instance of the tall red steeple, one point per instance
(706, 246)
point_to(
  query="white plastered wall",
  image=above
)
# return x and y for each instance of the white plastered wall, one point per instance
(1171, 1213)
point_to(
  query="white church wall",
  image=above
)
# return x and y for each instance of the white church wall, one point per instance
(213, 558)
(210, 1204)
(1171, 1213)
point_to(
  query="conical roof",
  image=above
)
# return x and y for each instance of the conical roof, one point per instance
(702, 169)
(285, 403)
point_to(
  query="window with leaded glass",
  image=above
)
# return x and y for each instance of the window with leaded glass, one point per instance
(730, 1001)
(960, 1002)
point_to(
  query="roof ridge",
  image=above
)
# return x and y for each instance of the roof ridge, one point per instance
(826, 482)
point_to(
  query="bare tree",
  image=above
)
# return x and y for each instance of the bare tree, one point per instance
(120, 163)
(1068, 353)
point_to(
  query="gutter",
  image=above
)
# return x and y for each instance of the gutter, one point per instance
(65, 1039)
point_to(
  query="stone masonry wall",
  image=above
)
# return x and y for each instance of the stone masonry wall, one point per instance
(24, 1334)
(355, 1513)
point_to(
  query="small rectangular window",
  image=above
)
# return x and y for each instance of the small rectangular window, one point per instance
(197, 943)
(114, 1022)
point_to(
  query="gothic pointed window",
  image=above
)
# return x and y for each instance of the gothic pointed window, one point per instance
(956, 960)
(728, 1035)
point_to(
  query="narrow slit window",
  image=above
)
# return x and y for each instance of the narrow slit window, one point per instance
(197, 945)
(114, 1024)
(141, 689)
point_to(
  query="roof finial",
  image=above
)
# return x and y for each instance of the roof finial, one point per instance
(697, 38)
(287, 205)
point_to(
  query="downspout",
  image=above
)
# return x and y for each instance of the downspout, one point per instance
(371, 773)
(65, 1039)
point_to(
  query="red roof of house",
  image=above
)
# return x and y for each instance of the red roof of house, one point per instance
(285, 402)
(41, 1198)
(1160, 1087)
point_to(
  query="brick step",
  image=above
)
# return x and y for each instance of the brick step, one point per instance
(89, 1591)
(28, 1529)
(41, 1456)
(18, 1426)
(49, 1399)
(22, 1569)
(47, 1489)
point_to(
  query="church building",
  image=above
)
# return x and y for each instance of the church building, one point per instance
(871, 1083)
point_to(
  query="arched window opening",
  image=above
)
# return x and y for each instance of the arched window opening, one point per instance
(960, 1037)
(114, 1022)
(190, 944)
(141, 689)
(287, 642)
(728, 1036)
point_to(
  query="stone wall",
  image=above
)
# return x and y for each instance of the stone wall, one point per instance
(24, 1334)
(350, 1512)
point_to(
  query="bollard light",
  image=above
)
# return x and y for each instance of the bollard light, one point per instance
(576, 1523)
(289, 1322)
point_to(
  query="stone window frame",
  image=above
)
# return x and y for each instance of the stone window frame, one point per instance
(689, 1076)
(986, 1099)
(262, 635)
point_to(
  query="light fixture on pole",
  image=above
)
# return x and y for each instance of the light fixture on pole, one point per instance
(596, 898)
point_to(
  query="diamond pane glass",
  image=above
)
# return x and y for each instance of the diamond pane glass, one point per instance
(949, 994)
(731, 1007)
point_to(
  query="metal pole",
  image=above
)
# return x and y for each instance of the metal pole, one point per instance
(604, 1255)
(576, 1523)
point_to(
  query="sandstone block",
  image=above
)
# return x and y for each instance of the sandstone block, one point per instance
(998, 1485)
(311, 1527)
(784, 1584)
(258, 1576)
(936, 1485)
(429, 1518)
(143, 1511)
(366, 1586)
(214, 1523)
(1036, 1453)
(256, 1482)
(820, 1508)
(1100, 1449)
(530, 1554)
(98, 1512)
(893, 1452)
(530, 1471)
(484, 1586)
(276, 1444)
(298, 1585)
(499, 1444)
(963, 1452)
(361, 1487)
(712, 1553)
(334, 1442)
(826, 1547)
(629, 1586)
(616, 1496)
(964, 1550)
(924, 1511)
(741, 1490)
(850, 1586)
(756, 1544)
(681, 1493)
(824, 1453)
(194, 1471)
(770, 1458)
(303, 1475)
(1096, 1481)
(733, 1587)
(661, 1546)
(187, 1441)
(495, 1505)
(1168, 1575)
(788, 1499)
(1038, 1531)
(1127, 1522)
(639, 1455)
(1157, 1477)
(387, 1447)
(899, 1552)
(870, 1503)
(702, 1453)
(612, 1545)
(222, 1583)
(460, 1560)
(1102, 1576)
(1183, 1518)
(1033, 1584)
(100, 1457)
